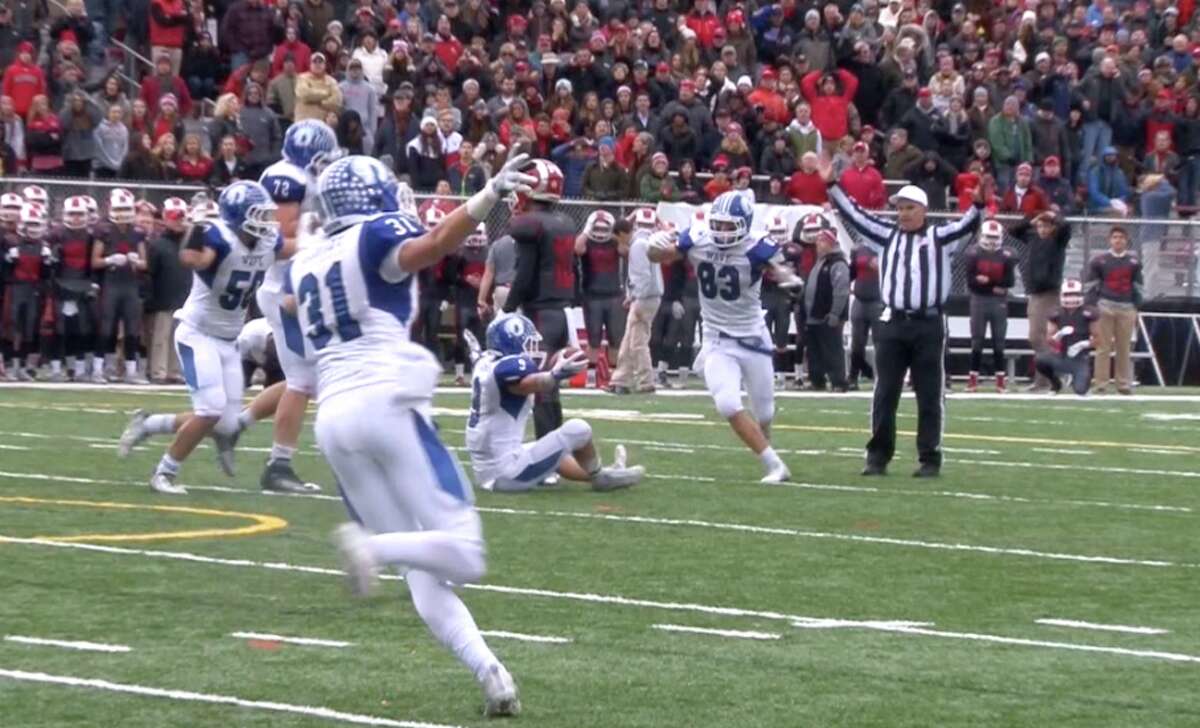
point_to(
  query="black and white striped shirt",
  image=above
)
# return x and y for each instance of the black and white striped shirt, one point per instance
(914, 268)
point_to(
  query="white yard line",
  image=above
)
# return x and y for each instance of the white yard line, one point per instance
(21, 448)
(1151, 654)
(1152, 451)
(211, 698)
(678, 450)
(306, 641)
(67, 644)
(1062, 451)
(841, 623)
(735, 633)
(742, 528)
(971, 451)
(521, 637)
(1102, 627)
(885, 626)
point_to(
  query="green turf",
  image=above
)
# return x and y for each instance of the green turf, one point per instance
(1104, 498)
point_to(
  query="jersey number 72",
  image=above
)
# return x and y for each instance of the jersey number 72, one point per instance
(309, 295)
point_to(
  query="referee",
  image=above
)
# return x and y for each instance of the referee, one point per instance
(914, 280)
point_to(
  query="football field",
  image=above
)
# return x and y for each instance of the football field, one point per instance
(1050, 577)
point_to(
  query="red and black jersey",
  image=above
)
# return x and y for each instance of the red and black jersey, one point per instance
(998, 266)
(73, 249)
(123, 240)
(864, 272)
(545, 261)
(804, 259)
(1079, 320)
(28, 266)
(601, 270)
(1116, 278)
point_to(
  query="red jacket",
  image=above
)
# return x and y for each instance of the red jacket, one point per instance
(964, 188)
(830, 114)
(1156, 123)
(705, 27)
(713, 188)
(300, 52)
(865, 186)
(448, 51)
(153, 89)
(171, 33)
(773, 104)
(1032, 203)
(22, 82)
(197, 171)
(808, 189)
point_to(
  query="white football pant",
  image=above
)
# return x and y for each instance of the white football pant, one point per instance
(536, 460)
(729, 364)
(212, 369)
(300, 373)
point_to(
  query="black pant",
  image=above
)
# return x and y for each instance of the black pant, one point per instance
(902, 344)
(826, 356)
(466, 318)
(777, 309)
(681, 334)
(604, 314)
(864, 317)
(429, 323)
(988, 311)
(551, 323)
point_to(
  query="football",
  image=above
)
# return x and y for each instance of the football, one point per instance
(553, 358)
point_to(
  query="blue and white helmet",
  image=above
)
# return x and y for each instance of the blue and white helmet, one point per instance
(310, 145)
(512, 333)
(246, 207)
(356, 187)
(729, 219)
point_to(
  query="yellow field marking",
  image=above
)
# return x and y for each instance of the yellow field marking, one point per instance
(260, 523)
(991, 438)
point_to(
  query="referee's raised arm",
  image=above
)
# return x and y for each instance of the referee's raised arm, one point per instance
(875, 231)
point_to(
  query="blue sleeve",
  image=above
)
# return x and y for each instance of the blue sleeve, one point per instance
(284, 189)
(762, 252)
(685, 241)
(288, 288)
(278, 243)
(382, 236)
(215, 240)
(512, 369)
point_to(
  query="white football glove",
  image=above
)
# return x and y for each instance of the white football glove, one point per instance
(662, 242)
(134, 258)
(116, 260)
(1063, 332)
(443, 306)
(510, 178)
(47, 253)
(677, 310)
(1078, 347)
(12, 254)
(569, 365)
(474, 350)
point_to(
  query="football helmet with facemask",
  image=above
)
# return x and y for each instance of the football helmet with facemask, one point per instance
(35, 194)
(33, 222)
(246, 207)
(729, 219)
(546, 187)
(991, 235)
(122, 207)
(479, 238)
(1071, 293)
(75, 213)
(354, 188)
(599, 226)
(513, 334)
(93, 209)
(777, 229)
(311, 145)
(644, 218)
(433, 217)
(10, 207)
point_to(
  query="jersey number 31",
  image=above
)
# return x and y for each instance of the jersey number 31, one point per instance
(309, 297)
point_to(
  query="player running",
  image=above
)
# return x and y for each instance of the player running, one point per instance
(737, 351)
(356, 297)
(503, 383)
(229, 257)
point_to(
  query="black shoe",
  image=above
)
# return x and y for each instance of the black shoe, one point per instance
(280, 478)
(927, 470)
(853, 386)
(874, 469)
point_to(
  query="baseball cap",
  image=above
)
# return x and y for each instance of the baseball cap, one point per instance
(1025, 167)
(860, 146)
(745, 81)
(1051, 161)
(658, 156)
(662, 67)
(769, 73)
(910, 193)
(925, 93)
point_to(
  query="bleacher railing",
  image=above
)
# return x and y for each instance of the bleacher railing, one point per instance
(1170, 248)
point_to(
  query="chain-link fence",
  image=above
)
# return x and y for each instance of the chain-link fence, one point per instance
(1169, 248)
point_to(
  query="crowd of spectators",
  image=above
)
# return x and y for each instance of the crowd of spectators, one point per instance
(1046, 103)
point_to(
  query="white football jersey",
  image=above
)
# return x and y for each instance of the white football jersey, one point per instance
(729, 281)
(220, 294)
(496, 423)
(286, 184)
(355, 308)
(252, 342)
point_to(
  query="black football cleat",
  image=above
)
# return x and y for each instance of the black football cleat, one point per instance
(875, 469)
(280, 478)
(927, 470)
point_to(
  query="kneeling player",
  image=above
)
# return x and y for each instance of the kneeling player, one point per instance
(1070, 330)
(503, 383)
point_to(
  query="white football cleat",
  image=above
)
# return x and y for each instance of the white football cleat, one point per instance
(777, 474)
(163, 483)
(614, 478)
(134, 434)
(361, 571)
(619, 456)
(499, 693)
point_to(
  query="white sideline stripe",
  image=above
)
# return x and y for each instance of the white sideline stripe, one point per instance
(736, 527)
(289, 640)
(1152, 451)
(67, 644)
(13, 447)
(736, 633)
(840, 623)
(1170, 416)
(1152, 654)
(1062, 451)
(884, 626)
(1102, 627)
(1012, 397)
(970, 451)
(189, 696)
(521, 637)
(678, 450)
